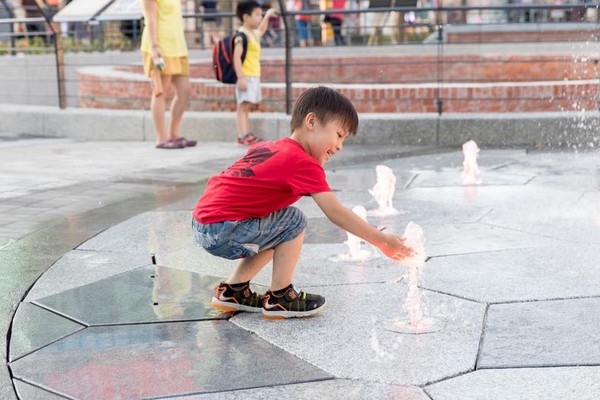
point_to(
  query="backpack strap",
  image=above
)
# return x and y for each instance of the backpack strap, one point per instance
(244, 43)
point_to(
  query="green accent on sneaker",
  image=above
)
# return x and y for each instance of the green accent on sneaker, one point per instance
(236, 298)
(291, 304)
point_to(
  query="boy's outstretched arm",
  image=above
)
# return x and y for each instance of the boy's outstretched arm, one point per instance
(391, 245)
(264, 24)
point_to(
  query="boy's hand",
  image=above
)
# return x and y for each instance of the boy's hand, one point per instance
(242, 84)
(395, 248)
(270, 13)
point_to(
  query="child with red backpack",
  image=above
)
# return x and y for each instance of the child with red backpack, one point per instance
(247, 88)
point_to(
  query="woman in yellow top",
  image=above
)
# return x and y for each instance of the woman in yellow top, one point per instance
(163, 39)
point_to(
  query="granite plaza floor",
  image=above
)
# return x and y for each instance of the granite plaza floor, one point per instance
(513, 274)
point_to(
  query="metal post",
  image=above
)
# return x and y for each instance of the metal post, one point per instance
(598, 40)
(59, 54)
(440, 58)
(288, 59)
(60, 64)
(13, 39)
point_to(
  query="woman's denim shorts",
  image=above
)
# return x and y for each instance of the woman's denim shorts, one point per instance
(241, 239)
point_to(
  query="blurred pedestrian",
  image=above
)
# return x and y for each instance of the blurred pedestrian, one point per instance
(211, 26)
(165, 56)
(336, 20)
(303, 26)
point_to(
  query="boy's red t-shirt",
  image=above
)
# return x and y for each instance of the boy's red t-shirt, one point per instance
(271, 176)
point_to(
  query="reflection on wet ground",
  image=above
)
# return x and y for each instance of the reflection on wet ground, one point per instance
(520, 247)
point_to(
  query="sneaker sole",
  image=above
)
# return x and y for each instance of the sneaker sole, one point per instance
(226, 306)
(291, 314)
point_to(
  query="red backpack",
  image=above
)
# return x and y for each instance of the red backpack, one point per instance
(223, 57)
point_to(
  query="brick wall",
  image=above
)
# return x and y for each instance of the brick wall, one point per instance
(471, 83)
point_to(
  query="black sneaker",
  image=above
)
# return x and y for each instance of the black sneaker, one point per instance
(237, 297)
(291, 304)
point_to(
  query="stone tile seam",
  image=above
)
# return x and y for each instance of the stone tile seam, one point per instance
(58, 313)
(597, 296)
(47, 344)
(86, 326)
(41, 387)
(482, 337)
(488, 212)
(539, 366)
(527, 233)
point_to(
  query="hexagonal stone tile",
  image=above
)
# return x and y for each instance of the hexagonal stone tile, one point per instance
(167, 359)
(581, 383)
(150, 232)
(348, 340)
(453, 177)
(452, 239)
(542, 334)
(517, 274)
(505, 197)
(33, 327)
(149, 294)
(578, 222)
(80, 267)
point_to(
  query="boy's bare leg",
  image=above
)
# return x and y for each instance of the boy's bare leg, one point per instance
(157, 107)
(243, 109)
(284, 256)
(179, 104)
(247, 268)
(284, 262)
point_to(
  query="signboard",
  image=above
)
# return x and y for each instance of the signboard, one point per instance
(122, 10)
(81, 10)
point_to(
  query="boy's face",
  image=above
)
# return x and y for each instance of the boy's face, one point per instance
(325, 140)
(253, 20)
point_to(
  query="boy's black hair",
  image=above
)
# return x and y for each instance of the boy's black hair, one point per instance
(246, 7)
(328, 105)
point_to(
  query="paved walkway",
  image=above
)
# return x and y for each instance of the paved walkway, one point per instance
(513, 276)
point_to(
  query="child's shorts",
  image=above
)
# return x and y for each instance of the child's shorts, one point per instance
(241, 239)
(252, 93)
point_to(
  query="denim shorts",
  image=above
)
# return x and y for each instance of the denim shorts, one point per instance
(241, 239)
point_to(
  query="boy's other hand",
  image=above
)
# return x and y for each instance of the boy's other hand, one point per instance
(395, 248)
(242, 84)
(270, 13)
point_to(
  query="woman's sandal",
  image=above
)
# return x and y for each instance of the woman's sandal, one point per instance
(170, 144)
(248, 139)
(186, 142)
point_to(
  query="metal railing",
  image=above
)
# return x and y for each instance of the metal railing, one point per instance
(402, 30)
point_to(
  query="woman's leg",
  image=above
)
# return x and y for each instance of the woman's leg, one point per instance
(157, 107)
(181, 83)
(336, 25)
(302, 30)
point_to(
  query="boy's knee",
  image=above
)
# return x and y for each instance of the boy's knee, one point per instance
(297, 217)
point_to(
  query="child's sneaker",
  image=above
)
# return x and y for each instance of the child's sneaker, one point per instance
(291, 304)
(237, 297)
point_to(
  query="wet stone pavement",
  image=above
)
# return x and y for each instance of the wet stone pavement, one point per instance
(513, 274)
